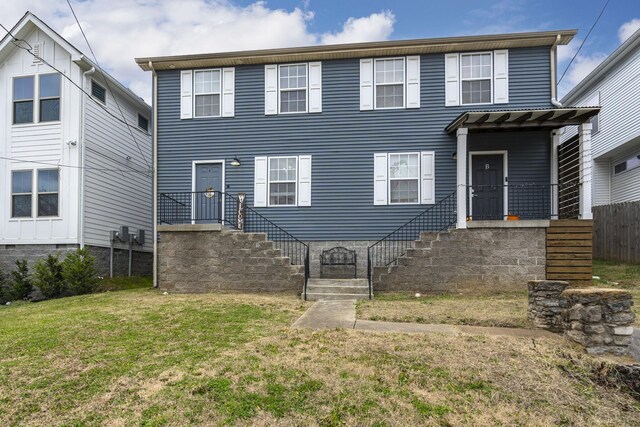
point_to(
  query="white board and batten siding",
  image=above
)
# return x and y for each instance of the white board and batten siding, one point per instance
(45, 143)
(117, 178)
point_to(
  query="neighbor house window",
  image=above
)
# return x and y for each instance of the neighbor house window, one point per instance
(48, 192)
(628, 164)
(23, 97)
(207, 93)
(98, 92)
(404, 178)
(21, 192)
(475, 76)
(390, 79)
(283, 176)
(293, 88)
(49, 97)
(143, 123)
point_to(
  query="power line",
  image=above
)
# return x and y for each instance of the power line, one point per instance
(16, 41)
(74, 166)
(583, 40)
(115, 98)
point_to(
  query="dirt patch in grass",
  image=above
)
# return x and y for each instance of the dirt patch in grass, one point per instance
(503, 310)
(142, 358)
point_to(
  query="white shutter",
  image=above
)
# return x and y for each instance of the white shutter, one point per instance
(427, 178)
(186, 94)
(452, 79)
(366, 84)
(413, 82)
(304, 181)
(315, 87)
(270, 89)
(500, 76)
(260, 183)
(380, 179)
(228, 92)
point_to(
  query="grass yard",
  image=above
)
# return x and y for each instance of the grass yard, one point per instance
(137, 357)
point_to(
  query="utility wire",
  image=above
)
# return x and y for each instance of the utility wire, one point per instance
(583, 40)
(28, 49)
(115, 98)
(75, 167)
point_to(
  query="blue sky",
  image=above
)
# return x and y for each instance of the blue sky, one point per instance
(120, 30)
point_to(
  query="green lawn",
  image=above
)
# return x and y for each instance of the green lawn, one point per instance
(138, 357)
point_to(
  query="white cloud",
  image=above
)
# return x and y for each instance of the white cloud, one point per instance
(121, 30)
(627, 29)
(580, 68)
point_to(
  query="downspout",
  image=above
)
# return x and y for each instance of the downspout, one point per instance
(82, 152)
(154, 184)
(552, 56)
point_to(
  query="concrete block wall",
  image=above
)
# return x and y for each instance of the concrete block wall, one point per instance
(203, 258)
(478, 259)
(360, 246)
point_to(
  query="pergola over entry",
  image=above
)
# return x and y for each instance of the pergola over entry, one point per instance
(527, 119)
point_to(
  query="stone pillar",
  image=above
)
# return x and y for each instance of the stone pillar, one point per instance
(599, 319)
(555, 142)
(586, 166)
(461, 178)
(546, 304)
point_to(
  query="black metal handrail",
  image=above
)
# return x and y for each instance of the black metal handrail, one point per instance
(440, 216)
(202, 207)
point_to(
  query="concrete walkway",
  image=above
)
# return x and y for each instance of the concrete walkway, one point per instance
(342, 314)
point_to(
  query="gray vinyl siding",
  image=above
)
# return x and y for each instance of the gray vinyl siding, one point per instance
(342, 140)
(113, 198)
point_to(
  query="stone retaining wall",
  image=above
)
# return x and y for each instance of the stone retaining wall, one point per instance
(546, 304)
(203, 258)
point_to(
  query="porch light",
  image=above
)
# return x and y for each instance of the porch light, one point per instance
(235, 161)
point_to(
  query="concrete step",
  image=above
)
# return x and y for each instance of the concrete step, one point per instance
(334, 297)
(338, 282)
(338, 289)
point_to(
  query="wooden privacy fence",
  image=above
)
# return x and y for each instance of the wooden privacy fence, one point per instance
(569, 257)
(616, 232)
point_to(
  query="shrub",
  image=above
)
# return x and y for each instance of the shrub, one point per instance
(4, 289)
(48, 276)
(79, 272)
(21, 286)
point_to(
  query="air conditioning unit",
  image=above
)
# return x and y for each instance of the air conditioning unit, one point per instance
(139, 237)
(123, 234)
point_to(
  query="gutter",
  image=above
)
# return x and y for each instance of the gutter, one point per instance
(83, 151)
(552, 57)
(154, 180)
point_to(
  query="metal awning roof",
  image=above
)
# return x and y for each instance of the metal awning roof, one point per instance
(537, 118)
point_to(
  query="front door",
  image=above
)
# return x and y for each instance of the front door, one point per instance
(208, 198)
(487, 185)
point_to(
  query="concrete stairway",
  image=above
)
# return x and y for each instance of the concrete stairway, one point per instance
(337, 289)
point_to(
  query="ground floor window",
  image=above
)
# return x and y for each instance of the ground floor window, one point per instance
(283, 176)
(21, 193)
(48, 192)
(404, 178)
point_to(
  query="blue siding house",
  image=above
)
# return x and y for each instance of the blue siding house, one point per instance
(367, 146)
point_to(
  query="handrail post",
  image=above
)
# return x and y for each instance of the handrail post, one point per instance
(242, 197)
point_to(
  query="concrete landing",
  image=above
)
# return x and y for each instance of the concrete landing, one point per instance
(328, 315)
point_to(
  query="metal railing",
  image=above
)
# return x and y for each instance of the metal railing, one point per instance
(209, 207)
(387, 250)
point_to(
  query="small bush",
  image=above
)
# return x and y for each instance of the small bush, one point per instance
(4, 289)
(48, 276)
(79, 272)
(21, 285)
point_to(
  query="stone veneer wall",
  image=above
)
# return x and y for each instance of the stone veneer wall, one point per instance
(203, 258)
(546, 304)
(142, 262)
(474, 259)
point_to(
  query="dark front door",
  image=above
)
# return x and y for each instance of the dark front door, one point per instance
(208, 198)
(487, 184)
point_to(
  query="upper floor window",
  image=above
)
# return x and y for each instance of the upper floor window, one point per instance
(476, 78)
(143, 122)
(293, 88)
(23, 97)
(207, 90)
(48, 192)
(21, 193)
(49, 97)
(98, 92)
(389, 85)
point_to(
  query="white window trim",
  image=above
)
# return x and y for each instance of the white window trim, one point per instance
(59, 98)
(269, 181)
(389, 179)
(219, 70)
(376, 84)
(11, 194)
(306, 91)
(193, 184)
(93, 96)
(38, 193)
(490, 78)
(505, 180)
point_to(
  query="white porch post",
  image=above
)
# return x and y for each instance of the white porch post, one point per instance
(555, 142)
(585, 171)
(461, 177)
